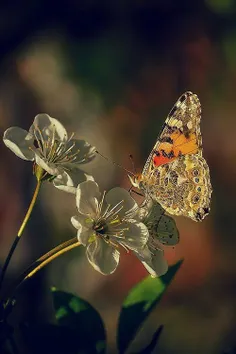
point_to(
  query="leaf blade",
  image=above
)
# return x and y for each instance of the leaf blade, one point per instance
(151, 346)
(78, 315)
(139, 303)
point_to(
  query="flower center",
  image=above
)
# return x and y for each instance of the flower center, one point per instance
(53, 149)
(101, 227)
(108, 224)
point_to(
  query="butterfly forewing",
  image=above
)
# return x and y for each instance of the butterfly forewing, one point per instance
(180, 134)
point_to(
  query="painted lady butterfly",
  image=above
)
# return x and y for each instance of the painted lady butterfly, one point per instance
(175, 174)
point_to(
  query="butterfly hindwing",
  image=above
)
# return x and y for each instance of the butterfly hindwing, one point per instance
(161, 226)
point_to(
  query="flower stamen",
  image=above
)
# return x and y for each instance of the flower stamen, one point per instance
(101, 203)
(114, 210)
(40, 140)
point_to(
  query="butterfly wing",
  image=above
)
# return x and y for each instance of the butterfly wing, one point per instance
(177, 175)
(183, 186)
(161, 226)
(180, 134)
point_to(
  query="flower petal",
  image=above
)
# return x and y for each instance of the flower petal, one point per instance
(144, 254)
(145, 207)
(85, 236)
(155, 264)
(135, 234)
(48, 126)
(159, 263)
(81, 151)
(68, 181)
(20, 142)
(50, 167)
(83, 232)
(82, 220)
(87, 195)
(103, 256)
(115, 195)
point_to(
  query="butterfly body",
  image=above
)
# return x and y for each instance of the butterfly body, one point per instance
(175, 174)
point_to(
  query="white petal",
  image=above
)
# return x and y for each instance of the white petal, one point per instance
(82, 151)
(135, 235)
(75, 220)
(68, 181)
(144, 254)
(115, 195)
(50, 167)
(20, 142)
(84, 236)
(102, 256)
(87, 195)
(157, 265)
(83, 232)
(82, 220)
(49, 126)
(145, 208)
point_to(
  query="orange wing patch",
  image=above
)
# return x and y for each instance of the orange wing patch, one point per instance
(178, 144)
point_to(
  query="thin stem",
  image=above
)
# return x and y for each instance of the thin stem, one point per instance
(41, 263)
(27, 216)
(17, 239)
(47, 258)
(50, 253)
(50, 259)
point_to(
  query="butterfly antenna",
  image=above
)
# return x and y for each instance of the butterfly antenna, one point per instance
(133, 165)
(114, 163)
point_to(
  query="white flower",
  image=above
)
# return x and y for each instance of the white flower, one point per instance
(48, 145)
(162, 230)
(104, 225)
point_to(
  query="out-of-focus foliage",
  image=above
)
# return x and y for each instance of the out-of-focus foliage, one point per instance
(82, 319)
(80, 329)
(139, 303)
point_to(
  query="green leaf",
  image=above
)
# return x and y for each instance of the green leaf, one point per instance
(81, 318)
(139, 303)
(151, 346)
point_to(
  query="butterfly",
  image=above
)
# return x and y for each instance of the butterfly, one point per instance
(176, 175)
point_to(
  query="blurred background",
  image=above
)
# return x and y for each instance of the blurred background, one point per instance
(111, 71)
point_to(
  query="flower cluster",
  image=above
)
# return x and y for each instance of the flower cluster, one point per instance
(105, 222)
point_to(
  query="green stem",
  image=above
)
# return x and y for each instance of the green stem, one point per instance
(22, 227)
(41, 263)
(27, 216)
(50, 259)
(47, 258)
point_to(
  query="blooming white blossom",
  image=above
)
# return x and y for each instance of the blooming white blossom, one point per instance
(48, 145)
(162, 231)
(107, 222)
